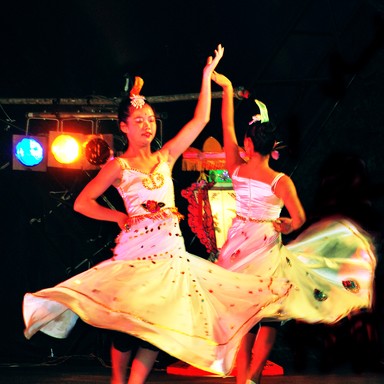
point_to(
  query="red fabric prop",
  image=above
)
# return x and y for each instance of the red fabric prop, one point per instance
(200, 217)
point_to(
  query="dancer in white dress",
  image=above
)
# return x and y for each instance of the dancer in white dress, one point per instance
(152, 288)
(330, 265)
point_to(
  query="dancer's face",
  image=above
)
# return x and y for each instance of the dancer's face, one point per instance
(140, 126)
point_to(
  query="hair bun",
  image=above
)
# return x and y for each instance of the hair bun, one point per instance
(268, 127)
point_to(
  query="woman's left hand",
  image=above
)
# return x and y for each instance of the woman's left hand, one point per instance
(221, 80)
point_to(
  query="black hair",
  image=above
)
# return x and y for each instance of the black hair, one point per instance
(123, 109)
(263, 136)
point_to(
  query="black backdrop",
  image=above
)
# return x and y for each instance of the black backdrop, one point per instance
(322, 82)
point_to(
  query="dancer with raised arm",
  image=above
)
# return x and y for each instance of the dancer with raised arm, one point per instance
(330, 265)
(152, 292)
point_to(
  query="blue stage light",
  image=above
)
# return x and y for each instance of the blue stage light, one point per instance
(29, 151)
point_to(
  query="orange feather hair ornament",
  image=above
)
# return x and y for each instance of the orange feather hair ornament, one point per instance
(137, 101)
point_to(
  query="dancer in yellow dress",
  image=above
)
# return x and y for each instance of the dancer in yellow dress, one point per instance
(152, 288)
(330, 265)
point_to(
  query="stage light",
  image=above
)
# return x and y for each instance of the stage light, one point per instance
(62, 141)
(65, 149)
(79, 151)
(28, 153)
(97, 151)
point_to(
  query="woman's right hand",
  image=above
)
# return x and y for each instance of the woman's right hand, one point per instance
(122, 220)
(212, 62)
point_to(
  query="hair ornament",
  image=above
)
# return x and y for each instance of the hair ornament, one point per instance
(275, 154)
(255, 118)
(137, 101)
(262, 116)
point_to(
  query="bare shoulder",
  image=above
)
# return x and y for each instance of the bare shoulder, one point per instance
(111, 170)
(284, 179)
(284, 185)
(115, 164)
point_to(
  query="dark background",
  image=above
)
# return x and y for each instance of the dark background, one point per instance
(317, 65)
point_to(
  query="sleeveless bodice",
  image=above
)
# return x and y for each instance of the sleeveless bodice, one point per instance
(145, 193)
(255, 199)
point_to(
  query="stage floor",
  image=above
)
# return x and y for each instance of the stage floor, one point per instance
(85, 373)
(53, 376)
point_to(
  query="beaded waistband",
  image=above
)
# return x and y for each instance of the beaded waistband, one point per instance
(243, 218)
(161, 214)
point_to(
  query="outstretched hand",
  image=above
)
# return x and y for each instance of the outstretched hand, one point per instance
(212, 62)
(221, 80)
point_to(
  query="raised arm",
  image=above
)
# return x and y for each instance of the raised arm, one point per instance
(187, 135)
(231, 147)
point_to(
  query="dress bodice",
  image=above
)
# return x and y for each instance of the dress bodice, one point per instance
(143, 192)
(256, 199)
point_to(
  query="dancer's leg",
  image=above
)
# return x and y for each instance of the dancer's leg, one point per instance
(262, 347)
(119, 362)
(243, 359)
(142, 365)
